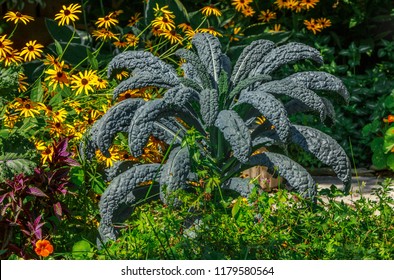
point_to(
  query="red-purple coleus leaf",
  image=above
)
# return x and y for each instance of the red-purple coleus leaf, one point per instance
(36, 192)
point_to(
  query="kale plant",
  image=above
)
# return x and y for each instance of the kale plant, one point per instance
(222, 105)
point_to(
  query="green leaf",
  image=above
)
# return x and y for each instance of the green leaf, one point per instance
(389, 102)
(62, 34)
(59, 49)
(92, 60)
(388, 143)
(390, 161)
(379, 159)
(37, 94)
(57, 99)
(236, 208)
(82, 250)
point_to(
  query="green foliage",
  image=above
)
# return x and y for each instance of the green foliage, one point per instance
(8, 83)
(281, 226)
(17, 155)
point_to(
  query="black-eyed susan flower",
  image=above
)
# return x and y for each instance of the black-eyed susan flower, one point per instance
(132, 40)
(324, 22)
(12, 57)
(57, 77)
(121, 43)
(236, 34)
(101, 83)
(389, 119)
(5, 46)
(312, 25)
(84, 82)
(104, 34)
(308, 4)
(130, 93)
(121, 75)
(15, 17)
(47, 153)
(164, 23)
(68, 14)
(292, 4)
(266, 16)
(22, 82)
(185, 26)
(211, 31)
(211, 10)
(26, 107)
(241, 4)
(59, 115)
(282, 4)
(58, 129)
(113, 156)
(107, 21)
(160, 11)
(10, 119)
(248, 11)
(172, 36)
(277, 28)
(134, 19)
(32, 50)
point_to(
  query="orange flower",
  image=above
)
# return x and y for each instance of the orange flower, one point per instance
(43, 248)
(390, 119)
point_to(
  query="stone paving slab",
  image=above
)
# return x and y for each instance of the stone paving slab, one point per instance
(360, 186)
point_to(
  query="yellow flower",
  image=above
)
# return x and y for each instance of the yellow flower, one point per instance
(248, 11)
(291, 4)
(11, 57)
(121, 75)
(313, 26)
(210, 30)
(68, 14)
(22, 84)
(236, 34)
(241, 4)
(59, 115)
(132, 40)
(107, 21)
(47, 154)
(84, 82)
(281, 3)
(122, 43)
(163, 23)
(266, 16)
(324, 22)
(58, 129)
(185, 26)
(130, 93)
(162, 11)
(26, 108)
(134, 19)
(113, 156)
(57, 77)
(211, 10)
(5, 46)
(172, 36)
(309, 4)
(101, 83)
(104, 34)
(10, 119)
(277, 28)
(32, 50)
(17, 16)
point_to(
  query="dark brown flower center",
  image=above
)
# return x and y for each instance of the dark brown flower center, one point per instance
(59, 74)
(67, 12)
(57, 125)
(106, 18)
(30, 48)
(84, 81)
(27, 106)
(47, 151)
(18, 14)
(127, 95)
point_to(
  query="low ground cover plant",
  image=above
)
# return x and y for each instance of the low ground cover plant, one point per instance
(55, 90)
